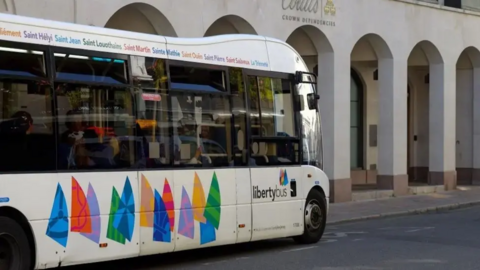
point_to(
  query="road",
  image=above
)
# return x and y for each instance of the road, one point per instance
(447, 240)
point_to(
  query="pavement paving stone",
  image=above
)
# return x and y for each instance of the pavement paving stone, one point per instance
(354, 211)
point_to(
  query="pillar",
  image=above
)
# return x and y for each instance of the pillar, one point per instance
(476, 125)
(392, 127)
(442, 125)
(334, 89)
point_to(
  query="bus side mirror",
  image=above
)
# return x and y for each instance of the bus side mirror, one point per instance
(312, 100)
(298, 78)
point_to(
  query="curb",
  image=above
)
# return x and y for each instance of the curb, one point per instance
(408, 212)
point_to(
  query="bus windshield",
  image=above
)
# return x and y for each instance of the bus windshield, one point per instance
(310, 115)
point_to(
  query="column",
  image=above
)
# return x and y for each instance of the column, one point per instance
(476, 125)
(392, 127)
(442, 125)
(334, 89)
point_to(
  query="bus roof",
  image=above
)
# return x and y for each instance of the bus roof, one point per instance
(236, 50)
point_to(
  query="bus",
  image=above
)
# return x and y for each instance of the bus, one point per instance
(116, 144)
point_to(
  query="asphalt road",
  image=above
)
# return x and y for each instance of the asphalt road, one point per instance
(448, 240)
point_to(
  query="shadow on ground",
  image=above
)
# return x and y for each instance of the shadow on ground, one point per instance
(198, 256)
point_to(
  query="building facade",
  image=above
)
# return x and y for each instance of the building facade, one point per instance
(399, 79)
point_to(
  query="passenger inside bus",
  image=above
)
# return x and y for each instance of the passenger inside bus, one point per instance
(182, 130)
(190, 151)
(205, 139)
(80, 147)
(155, 156)
(16, 143)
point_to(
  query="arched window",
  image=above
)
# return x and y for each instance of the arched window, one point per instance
(356, 121)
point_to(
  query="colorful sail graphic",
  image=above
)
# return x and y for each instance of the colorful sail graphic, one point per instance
(198, 200)
(207, 233)
(206, 213)
(283, 178)
(85, 215)
(92, 202)
(169, 204)
(57, 228)
(146, 204)
(112, 232)
(81, 221)
(124, 220)
(186, 226)
(157, 211)
(161, 222)
(212, 209)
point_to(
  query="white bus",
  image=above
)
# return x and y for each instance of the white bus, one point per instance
(116, 144)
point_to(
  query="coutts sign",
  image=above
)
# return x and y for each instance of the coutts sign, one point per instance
(310, 7)
(301, 5)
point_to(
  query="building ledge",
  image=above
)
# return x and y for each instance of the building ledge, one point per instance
(435, 4)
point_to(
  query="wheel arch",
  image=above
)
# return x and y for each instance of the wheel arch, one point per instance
(322, 192)
(315, 193)
(21, 219)
(320, 189)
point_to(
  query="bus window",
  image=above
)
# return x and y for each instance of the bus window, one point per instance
(151, 82)
(203, 129)
(197, 79)
(277, 106)
(95, 113)
(26, 122)
(200, 108)
(239, 110)
(254, 107)
(274, 138)
(90, 69)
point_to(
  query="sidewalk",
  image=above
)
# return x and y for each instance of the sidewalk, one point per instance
(354, 211)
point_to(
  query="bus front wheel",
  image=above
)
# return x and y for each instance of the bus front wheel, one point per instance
(315, 217)
(14, 246)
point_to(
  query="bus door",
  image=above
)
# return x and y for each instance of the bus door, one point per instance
(274, 141)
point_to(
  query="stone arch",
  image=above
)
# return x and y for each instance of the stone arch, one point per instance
(472, 54)
(8, 6)
(430, 102)
(230, 24)
(429, 50)
(316, 37)
(376, 43)
(467, 157)
(372, 57)
(311, 43)
(143, 18)
(315, 49)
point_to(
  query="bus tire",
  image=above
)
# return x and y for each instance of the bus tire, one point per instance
(314, 218)
(14, 246)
